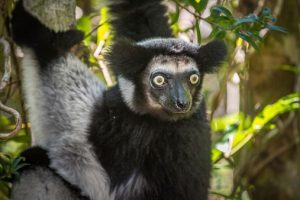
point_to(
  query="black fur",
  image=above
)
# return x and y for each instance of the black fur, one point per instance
(174, 157)
(130, 58)
(47, 44)
(36, 156)
(211, 55)
(138, 20)
(162, 160)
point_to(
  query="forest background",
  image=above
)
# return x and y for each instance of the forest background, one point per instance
(253, 101)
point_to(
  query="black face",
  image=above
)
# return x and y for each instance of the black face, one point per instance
(174, 92)
(173, 87)
(163, 76)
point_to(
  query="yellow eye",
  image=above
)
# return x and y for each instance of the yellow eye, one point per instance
(159, 80)
(194, 78)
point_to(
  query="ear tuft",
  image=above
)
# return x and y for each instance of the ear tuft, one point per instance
(127, 58)
(211, 55)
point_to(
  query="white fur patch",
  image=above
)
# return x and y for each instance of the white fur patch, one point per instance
(60, 100)
(127, 89)
(134, 186)
(33, 95)
(172, 64)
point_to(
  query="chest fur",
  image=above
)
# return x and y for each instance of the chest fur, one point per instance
(142, 154)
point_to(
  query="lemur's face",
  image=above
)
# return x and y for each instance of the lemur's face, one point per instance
(172, 86)
(163, 76)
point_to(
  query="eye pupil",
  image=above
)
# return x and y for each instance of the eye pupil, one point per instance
(159, 80)
(194, 78)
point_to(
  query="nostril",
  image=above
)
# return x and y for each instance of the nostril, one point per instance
(182, 105)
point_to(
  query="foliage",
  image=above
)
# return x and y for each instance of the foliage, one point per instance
(247, 28)
(261, 122)
(9, 168)
(235, 132)
(232, 133)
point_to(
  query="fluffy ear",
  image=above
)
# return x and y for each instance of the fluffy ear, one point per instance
(127, 58)
(211, 55)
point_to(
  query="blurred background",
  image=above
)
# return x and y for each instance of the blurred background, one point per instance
(253, 101)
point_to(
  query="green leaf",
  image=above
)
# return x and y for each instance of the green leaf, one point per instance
(266, 12)
(255, 36)
(285, 104)
(4, 158)
(105, 28)
(20, 166)
(247, 39)
(221, 124)
(85, 25)
(262, 121)
(217, 33)
(218, 9)
(270, 18)
(198, 5)
(216, 154)
(202, 5)
(17, 162)
(175, 16)
(276, 28)
(247, 19)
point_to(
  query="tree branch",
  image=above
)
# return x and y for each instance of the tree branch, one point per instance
(4, 81)
(17, 116)
(7, 64)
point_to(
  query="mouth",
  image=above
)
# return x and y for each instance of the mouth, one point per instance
(172, 113)
(174, 109)
(180, 111)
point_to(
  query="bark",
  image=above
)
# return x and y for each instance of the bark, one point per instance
(58, 15)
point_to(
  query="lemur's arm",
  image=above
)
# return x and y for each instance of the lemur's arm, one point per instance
(60, 93)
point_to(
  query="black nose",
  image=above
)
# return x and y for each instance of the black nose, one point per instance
(182, 105)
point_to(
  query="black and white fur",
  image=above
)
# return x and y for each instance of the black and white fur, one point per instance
(60, 93)
(131, 142)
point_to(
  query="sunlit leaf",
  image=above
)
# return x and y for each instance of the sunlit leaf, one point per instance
(220, 124)
(216, 154)
(103, 30)
(283, 105)
(260, 122)
(84, 24)
(175, 16)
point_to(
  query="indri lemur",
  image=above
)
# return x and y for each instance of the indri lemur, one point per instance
(147, 138)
